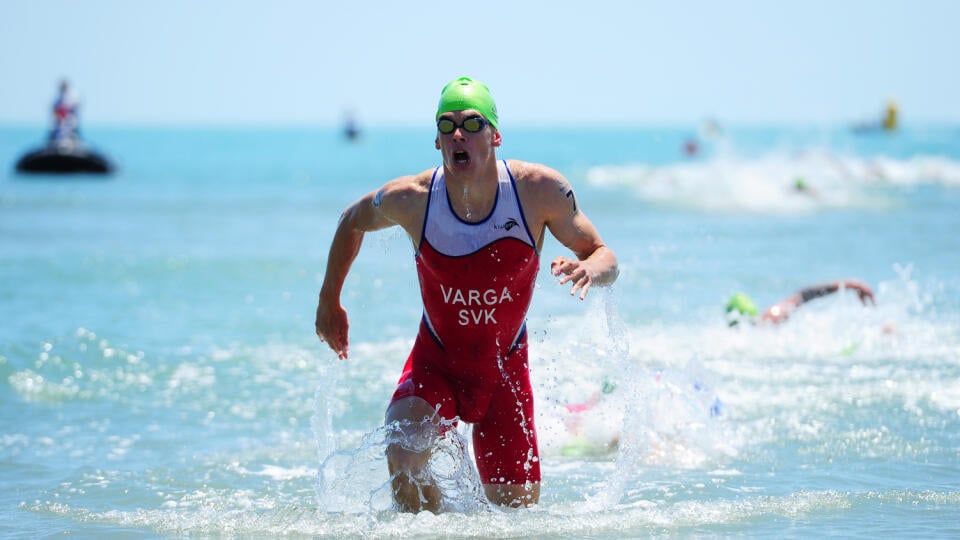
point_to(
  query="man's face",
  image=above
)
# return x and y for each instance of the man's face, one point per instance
(465, 139)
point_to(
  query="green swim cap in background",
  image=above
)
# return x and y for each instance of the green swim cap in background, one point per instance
(742, 304)
(465, 93)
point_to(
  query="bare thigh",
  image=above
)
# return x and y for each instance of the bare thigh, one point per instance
(410, 412)
(412, 408)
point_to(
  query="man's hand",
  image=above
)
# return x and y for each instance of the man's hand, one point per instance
(863, 291)
(572, 270)
(332, 326)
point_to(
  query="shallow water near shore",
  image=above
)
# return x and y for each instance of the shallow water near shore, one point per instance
(159, 374)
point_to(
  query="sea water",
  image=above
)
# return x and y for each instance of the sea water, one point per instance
(160, 376)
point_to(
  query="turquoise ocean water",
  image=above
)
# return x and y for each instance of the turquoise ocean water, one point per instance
(159, 373)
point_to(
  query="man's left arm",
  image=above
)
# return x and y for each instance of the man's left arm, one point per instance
(596, 263)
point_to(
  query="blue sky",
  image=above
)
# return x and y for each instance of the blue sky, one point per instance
(218, 62)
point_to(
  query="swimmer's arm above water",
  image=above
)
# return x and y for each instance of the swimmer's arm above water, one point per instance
(782, 309)
(862, 289)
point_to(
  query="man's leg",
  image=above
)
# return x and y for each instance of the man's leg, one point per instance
(411, 490)
(505, 443)
(513, 495)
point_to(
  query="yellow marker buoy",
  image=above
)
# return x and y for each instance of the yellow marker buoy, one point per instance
(890, 118)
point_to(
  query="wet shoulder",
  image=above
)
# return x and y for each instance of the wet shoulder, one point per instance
(403, 200)
(538, 183)
(408, 189)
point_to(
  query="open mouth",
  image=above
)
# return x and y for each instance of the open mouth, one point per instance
(460, 156)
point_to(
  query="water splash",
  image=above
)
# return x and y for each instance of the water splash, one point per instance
(356, 479)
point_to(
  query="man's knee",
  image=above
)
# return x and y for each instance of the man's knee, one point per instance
(400, 458)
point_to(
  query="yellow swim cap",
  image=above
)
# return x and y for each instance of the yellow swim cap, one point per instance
(465, 93)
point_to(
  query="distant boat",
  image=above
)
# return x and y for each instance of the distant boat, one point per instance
(65, 152)
(64, 157)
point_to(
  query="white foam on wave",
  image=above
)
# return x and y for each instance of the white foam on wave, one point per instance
(774, 384)
(239, 514)
(841, 376)
(835, 358)
(777, 182)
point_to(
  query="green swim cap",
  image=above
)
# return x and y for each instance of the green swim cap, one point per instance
(742, 304)
(739, 306)
(465, 93)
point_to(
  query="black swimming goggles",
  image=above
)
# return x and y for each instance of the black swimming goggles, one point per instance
(474, 124)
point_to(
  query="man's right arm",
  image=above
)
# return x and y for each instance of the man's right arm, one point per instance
(365, 215)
